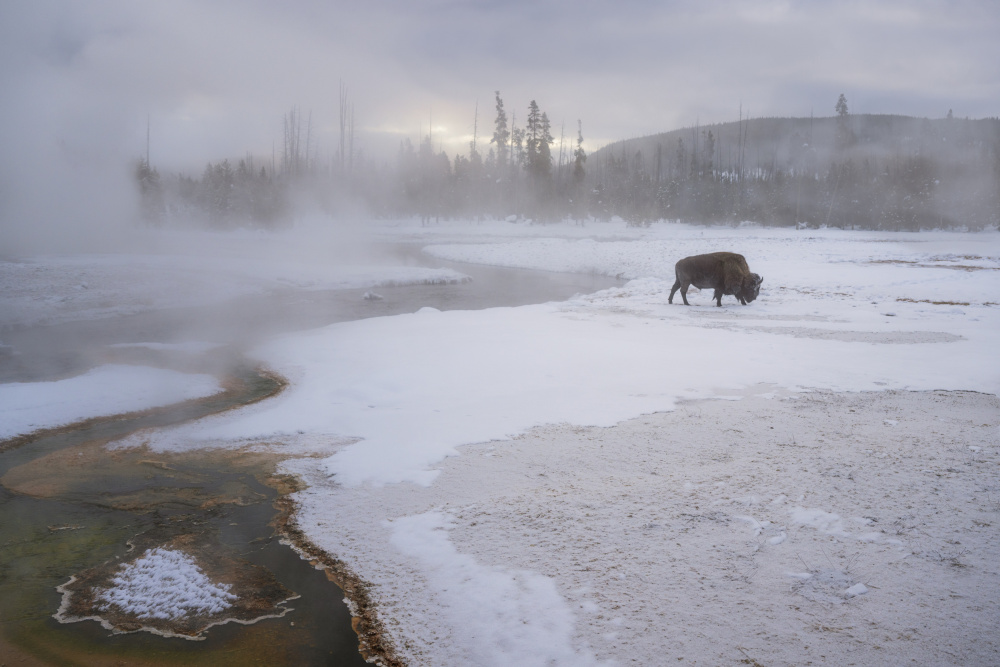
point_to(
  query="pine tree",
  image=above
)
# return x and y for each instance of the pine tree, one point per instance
(517, 152)
(845, 137)
(150, 191)
(532, 131)
(841, 107)
(545, 141)
(579, 155)
(501, 135)
(538, 143)
(708, 150)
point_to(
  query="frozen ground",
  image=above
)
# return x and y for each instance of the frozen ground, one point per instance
(561, 484)
(106, 390)
(786, 529)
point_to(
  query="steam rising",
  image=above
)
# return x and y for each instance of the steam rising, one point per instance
(82, 82)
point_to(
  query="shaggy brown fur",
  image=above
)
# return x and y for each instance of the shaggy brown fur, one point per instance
(725, 272)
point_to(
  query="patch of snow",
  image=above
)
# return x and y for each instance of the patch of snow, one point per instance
(504, 617)
(164, 584)
(825, 522)
(856, 590)
(105, 390)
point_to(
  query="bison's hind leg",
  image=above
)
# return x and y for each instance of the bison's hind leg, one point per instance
(684, 291)
(718, 298)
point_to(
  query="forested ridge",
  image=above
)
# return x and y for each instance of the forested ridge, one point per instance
(864, 171)
(852, 171)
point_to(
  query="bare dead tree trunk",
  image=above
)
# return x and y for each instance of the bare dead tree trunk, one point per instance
(308, 140)
(562, 137)
(475, 127)
(350, 139)
(344, 112)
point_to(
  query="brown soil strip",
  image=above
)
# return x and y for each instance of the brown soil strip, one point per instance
(373, 642)
(36, 478)
(921, 265)
(232, 389)
(946, 303)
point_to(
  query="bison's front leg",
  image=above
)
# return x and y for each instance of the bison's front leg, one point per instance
(718, 298)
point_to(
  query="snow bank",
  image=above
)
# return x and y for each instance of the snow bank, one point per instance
(489, 607)
(105, 390)
(820, 263)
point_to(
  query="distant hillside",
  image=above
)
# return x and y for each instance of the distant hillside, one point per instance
(867, 171)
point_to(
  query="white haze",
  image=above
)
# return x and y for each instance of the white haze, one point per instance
(80, 80)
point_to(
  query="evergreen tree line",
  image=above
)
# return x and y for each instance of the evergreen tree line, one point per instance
(860, 172)
(517, 170)
(863, 171)
(224, 196)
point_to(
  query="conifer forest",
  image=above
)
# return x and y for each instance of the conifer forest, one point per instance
(856, 171)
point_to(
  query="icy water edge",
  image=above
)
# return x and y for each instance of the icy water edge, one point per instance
(50, 531)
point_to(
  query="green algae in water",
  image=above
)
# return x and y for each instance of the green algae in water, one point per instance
(174, 586)
(89, 528)
(45, 540)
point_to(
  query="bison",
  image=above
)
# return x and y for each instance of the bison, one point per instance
(725, 272)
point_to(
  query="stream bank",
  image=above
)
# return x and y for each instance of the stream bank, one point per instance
(69, 505)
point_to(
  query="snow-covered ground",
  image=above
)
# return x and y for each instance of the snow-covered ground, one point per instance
(105, 390)
(560, 483)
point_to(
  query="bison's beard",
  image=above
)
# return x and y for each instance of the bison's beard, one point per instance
(751, 287)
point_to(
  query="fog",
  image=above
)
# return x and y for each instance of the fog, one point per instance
(249, 196)
(83, 83)
(231, 150)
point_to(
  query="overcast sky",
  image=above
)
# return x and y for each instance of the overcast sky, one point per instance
(79, 79)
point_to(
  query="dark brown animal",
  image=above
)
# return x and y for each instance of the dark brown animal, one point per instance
(725, 272)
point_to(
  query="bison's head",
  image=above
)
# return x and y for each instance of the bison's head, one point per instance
(751, 287)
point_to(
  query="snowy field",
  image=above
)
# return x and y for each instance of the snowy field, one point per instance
(617, 480)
